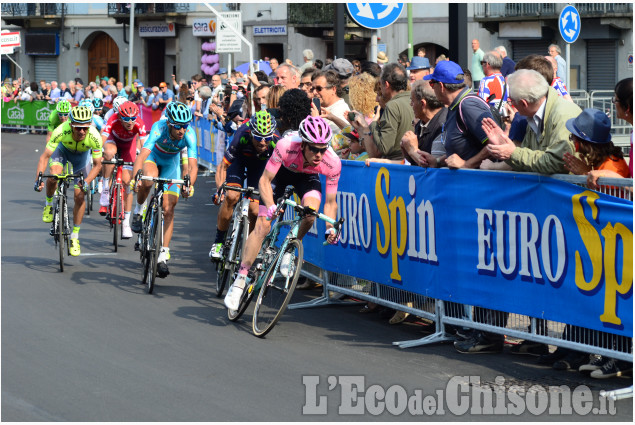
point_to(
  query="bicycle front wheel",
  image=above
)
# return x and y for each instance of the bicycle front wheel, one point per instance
(60, 229)
(277, 288)
(114, 214)
(156, 238)
(231, 259)
(89, 198)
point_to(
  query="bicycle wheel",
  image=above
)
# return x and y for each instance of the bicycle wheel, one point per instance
(245, 300)
(155, 242)
(89, 199)
(277, 289)
(228, 266)
(115, 208)
(60, 229)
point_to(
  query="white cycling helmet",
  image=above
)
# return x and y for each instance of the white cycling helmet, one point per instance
(119, 100)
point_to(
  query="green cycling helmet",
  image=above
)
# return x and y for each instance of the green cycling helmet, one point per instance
(262, 124)
(81, 115)
(178, 113)
(63, 107)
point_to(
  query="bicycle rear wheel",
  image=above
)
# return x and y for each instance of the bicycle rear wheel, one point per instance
(59, 229)
(277, 289)
(156, 238)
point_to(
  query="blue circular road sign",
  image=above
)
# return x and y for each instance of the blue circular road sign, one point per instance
(374, 15)
(569, 24)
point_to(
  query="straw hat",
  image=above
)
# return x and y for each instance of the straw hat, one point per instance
(381, 57)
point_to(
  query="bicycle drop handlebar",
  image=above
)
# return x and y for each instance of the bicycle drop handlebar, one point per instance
(41, 177)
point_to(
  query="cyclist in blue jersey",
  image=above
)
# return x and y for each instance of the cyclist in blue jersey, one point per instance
(160, 158)
(246, 156)
(98, 121)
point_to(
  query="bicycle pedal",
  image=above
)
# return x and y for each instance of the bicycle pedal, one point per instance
(137, 246)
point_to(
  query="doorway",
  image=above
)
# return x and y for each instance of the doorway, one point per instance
(155, 52)
(272, 50)
(103, 57)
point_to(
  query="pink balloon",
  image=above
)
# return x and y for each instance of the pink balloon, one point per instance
(212, 46)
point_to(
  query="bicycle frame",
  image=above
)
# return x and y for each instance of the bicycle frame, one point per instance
(116, 208)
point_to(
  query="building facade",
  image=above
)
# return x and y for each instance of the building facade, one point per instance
(63, 41)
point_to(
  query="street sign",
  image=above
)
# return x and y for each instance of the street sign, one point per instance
(6, 50)
(9, 40)
(569, 24)
(226, 40)
(374, 15)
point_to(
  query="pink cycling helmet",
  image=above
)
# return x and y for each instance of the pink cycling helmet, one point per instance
(315, 130)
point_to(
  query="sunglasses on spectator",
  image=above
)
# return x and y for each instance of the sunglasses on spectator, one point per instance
(309, 85)
(432, 82)
(316, 150)
(128, 119)
(320, 88)
(179, 126)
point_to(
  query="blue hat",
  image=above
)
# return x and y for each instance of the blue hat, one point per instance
(419, 63)
(222, 70)
(591, 125)
(136, 80)
(446, 72)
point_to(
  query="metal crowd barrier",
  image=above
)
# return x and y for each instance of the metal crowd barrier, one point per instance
(336, 286)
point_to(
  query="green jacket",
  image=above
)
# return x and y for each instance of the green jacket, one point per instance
(544, 154)
(392, 125)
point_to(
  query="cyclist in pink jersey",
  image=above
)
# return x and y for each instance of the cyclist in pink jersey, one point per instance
(297, 160)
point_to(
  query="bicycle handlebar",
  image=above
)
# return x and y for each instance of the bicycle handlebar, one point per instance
(248, 190)
(58, 177)
(116, 161)
(168, 181)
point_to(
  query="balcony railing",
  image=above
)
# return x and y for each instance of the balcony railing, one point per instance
(26, 10)
(147, 9)
(549, 10)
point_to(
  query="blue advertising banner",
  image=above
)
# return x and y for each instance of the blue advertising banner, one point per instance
(521, 243)
(205, 137)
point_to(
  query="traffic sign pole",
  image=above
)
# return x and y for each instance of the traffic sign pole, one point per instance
(569, 24)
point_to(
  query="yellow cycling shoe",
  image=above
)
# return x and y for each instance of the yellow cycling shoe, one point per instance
(47, 215)
(74, 248)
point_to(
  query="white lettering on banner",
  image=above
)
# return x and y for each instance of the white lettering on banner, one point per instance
(270, 30)
(508, 239)
(42, 114)
(15, 113)
(356, 230)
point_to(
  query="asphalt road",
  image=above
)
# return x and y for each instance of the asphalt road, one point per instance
(89, 344)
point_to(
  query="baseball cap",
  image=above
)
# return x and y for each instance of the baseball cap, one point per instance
(446, 73)
(139, 83)
(419, 63)
(235, 109)
(163, 84)
(342, 66)
(105, 78)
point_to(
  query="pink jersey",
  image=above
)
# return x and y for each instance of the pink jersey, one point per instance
(288, 152)
(114, 130)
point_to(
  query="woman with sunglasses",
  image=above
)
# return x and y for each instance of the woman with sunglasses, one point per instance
(75, 141)
(161, 157)
(297, 160)
(119, 137)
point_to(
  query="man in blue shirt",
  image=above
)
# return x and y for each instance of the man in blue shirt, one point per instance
(508, 64)
(165, 95)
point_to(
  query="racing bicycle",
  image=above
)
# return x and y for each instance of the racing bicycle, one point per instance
(151, 236)
(60, 226)
(277, 268)
(116, 214)
(235, 238)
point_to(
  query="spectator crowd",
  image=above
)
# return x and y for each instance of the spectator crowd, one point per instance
(497, 115)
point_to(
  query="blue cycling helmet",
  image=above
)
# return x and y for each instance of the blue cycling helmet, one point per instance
(178, 113)
(98, 103)
(87, 103)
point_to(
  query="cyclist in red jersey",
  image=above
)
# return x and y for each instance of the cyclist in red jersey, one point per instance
(119, 137)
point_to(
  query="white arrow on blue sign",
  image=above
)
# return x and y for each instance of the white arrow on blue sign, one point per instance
(374, 15)
(569, 24)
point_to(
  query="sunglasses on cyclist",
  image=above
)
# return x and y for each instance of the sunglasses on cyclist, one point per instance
(259, 139)
(178, 126)
(316, 150)
(128, 119)
(62, 115)
(80, 128)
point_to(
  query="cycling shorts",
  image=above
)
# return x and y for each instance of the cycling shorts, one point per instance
(80, 162)
(246, 166)
(169, 168)
(126, 150)
(306, 185)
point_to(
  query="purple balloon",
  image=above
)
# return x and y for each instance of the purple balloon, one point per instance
(213, 58)
(212, 46)
(215, 68)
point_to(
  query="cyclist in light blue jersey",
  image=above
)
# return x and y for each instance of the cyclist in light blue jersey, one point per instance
(160, 157)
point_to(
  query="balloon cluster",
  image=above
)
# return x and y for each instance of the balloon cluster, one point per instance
(209, 63)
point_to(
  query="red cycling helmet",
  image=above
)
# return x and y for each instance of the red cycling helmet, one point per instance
(128, 109)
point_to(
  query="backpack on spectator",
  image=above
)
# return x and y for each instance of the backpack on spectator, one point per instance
(496, 114)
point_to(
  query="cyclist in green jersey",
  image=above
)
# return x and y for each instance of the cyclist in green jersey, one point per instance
(74, 141)
(57, 117)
